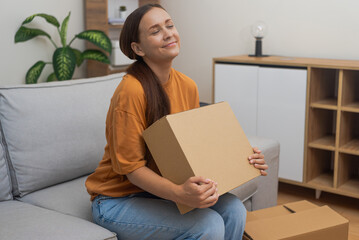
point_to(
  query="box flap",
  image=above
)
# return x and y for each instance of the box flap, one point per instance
(267, 213)
(300, 225)
(280, 210)
(299, 206)
(170, 159)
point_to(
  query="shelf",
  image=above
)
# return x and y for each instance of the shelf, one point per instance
(320, 167)
(323, 180)
(351, 186)
(351, 147)
(349, 133)
(326, 143)
(324, 86)
(350, 98)
(352, 107)
(115, 26)
(330, 103)
(322, 123)
(348, 174)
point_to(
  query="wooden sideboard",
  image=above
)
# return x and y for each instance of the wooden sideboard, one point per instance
(311, 106)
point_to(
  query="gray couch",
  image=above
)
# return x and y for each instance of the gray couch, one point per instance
(52, 137)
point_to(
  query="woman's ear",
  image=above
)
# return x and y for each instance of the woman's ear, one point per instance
(137, 49)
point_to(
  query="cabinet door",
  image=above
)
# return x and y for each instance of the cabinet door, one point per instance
(237, 84)
(281, 115)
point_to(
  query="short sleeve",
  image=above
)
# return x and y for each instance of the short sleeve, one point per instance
(128, 148)
(126, 123)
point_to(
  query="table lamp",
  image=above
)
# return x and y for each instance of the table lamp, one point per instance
(259, 30)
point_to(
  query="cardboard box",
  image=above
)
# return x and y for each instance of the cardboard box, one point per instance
(300, 220)
(207, 142)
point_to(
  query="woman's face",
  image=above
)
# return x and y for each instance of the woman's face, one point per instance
(158, 37)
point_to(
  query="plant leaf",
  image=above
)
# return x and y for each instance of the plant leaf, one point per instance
(34, 72)
(78, 55)
(64, 62)
(24, 34)
(98, 38)
(63, 32)
(51, 78)
(50, 19)
(95, 55)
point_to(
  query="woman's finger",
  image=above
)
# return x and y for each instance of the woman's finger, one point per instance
(258, 161)
(256, 150)
(254, 156)
(209, 192)
(199, 180)
(203, 188)
(261, 166)
(210, 201)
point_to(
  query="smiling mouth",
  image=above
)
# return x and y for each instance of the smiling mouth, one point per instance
(170, 44)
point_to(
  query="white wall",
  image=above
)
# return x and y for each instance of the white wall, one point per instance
(208, 28)
(16, 59)
(301, 28)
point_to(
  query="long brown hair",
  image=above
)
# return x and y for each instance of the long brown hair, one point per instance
(157, 102)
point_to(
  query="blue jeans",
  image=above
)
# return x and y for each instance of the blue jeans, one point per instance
(145, 216)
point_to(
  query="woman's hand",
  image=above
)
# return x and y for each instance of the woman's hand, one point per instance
(198, 192)
(257, 160)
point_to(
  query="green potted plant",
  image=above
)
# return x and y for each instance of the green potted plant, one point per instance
(65, 58)
(123, 12)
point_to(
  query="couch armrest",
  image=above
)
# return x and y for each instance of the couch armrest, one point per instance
(267, 186)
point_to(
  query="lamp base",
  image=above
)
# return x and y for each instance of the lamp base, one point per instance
(258, 49)
(253, 55)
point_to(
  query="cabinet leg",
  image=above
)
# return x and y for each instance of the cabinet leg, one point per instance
(317, 193)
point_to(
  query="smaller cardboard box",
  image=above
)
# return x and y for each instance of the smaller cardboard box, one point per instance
(207, 142)
(300, 220)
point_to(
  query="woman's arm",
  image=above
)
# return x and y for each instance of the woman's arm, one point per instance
(196, 192)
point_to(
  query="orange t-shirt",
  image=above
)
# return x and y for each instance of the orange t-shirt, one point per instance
(125, 122)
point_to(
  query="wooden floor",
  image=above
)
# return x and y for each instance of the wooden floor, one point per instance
(347, 207)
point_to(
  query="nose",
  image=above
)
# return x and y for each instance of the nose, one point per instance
(167, 33)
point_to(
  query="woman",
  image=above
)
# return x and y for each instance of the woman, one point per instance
(129, 195)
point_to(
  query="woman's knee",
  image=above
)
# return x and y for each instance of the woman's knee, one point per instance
(236, 204)
(229, 206)
(210, 227)
(237, 207)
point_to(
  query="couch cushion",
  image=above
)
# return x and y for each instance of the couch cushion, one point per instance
(69, 197)
(5, 184)
(55, 131)
(22, 221)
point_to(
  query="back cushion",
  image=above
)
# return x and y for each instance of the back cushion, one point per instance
(55, 131)
(5, 184)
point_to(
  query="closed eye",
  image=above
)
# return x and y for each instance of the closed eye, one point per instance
(155, 32)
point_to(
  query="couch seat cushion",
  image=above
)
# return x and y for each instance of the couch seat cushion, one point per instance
(69, 197)
(22, 221)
